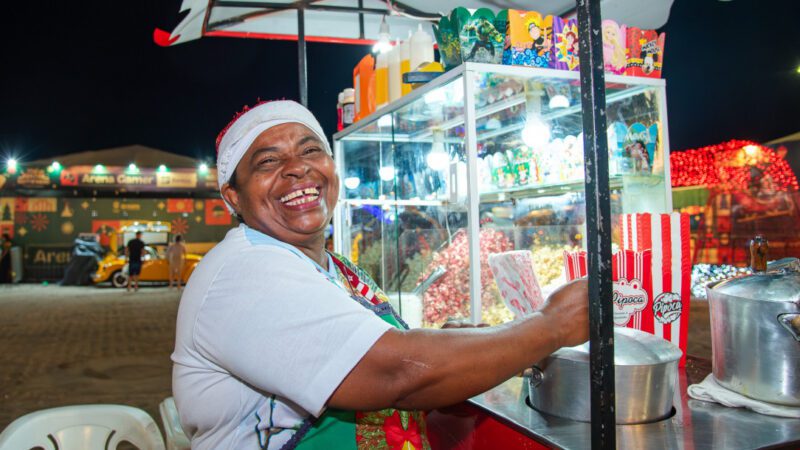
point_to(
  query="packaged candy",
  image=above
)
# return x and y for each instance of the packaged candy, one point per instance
(530, 39)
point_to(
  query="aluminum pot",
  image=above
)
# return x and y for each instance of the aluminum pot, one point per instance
(755, 331)
(646, 373)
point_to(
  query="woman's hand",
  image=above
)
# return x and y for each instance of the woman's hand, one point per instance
(568, 310)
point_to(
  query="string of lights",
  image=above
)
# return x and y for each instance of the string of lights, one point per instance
(730, 166)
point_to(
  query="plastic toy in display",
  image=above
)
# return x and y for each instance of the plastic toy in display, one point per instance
(614, 40)
(529, 39)
(565, 51)
(645, 53)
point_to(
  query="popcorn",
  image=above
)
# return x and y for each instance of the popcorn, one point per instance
(449, 296)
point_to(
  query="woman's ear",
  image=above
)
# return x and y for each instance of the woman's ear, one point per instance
(231, 196)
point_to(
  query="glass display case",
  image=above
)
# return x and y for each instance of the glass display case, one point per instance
(487, 159)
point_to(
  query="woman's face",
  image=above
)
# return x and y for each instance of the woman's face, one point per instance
(287, 184)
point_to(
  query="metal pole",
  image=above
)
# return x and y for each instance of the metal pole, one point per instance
(598, 226)
(360, 20)
(301, 56)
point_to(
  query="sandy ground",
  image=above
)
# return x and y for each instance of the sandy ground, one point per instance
(74, 345)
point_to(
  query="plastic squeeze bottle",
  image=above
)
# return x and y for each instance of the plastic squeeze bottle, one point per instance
(362, 77)
(405, 63)
(348, 107)
(421, 48)
(381, 80)
(395, 83)
(339, 105)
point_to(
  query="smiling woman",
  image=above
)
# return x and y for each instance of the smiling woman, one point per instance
(281, 344)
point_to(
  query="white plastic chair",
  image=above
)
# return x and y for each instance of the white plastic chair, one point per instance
(86, 427)
(176, 438)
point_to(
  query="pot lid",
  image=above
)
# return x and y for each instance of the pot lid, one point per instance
(631, 348)
(780, 283)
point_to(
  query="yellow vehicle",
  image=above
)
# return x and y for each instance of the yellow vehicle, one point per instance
(155, 267)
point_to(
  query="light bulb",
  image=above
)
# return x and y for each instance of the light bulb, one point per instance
(352, 182)
(559, 101)
(437, 159)
(202, 168)
(536, 133)
(386, 173)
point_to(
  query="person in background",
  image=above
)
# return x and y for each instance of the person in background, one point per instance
(133, 254)
(176, 256)
(5, 260)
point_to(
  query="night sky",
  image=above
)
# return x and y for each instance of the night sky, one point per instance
(86, 75)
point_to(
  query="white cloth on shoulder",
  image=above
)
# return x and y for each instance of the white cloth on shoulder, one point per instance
(709, 390)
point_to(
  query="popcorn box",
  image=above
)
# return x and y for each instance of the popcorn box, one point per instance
(529, 39)
(633, 283)
(483, 35)
(668, 236)
(516, 281)
(645, 53)
(614, 46)
(565, 50)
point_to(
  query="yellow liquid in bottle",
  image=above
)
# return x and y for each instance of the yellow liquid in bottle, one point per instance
(381, 86)
(405, 67)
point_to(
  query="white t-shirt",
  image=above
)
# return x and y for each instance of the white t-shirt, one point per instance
(263, 340)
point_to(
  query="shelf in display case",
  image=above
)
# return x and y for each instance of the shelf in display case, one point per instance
(618, 88)
(540, 190)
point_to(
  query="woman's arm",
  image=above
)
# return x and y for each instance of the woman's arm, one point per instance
(426, 369)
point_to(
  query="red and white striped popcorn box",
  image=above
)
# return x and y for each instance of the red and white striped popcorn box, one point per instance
(633, 283)
(668, 236)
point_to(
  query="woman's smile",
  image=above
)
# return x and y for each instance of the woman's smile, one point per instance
(302, 197)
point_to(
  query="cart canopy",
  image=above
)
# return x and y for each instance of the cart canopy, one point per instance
(339, 21)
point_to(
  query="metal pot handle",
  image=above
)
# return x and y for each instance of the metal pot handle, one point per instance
(791, 321)
(537, 376)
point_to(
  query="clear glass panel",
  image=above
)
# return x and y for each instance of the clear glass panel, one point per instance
(406, 213)
(530, 170)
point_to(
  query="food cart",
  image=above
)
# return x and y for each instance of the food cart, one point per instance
(392, 196)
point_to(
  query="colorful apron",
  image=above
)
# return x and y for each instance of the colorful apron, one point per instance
(388, 429)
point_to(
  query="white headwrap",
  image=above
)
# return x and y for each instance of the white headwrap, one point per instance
(248, 126)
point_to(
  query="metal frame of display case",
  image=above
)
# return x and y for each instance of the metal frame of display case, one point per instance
(467, 72)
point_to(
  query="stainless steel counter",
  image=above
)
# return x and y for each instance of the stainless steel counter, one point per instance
(695, 425)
